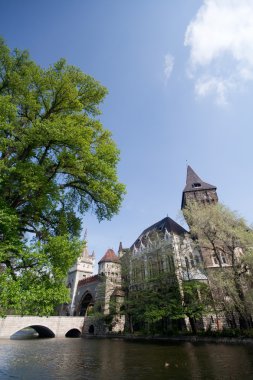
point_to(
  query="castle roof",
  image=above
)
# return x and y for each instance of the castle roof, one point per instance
(164, 225)
(195, 183)
(88, 280)
(109, 256)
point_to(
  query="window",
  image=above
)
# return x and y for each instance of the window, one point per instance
(192, 260)
(197, 259)
(196, 184)
(170, 264)
(215, 261)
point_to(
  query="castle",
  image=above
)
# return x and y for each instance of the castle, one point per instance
(163, 248)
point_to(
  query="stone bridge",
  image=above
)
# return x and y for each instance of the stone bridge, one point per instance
(50, 327)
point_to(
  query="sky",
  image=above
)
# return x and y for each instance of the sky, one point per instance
(180, 81)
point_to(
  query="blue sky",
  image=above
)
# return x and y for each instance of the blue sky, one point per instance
(179, 75)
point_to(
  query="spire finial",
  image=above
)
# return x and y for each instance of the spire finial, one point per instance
(85, 235)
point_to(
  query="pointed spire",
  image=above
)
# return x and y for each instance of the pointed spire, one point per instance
(194, 182)
(120, 247)
(85, 235)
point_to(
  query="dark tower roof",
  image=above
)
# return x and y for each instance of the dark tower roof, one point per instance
(195, 183)
(165, 224)
(120, 247)
(110, 256)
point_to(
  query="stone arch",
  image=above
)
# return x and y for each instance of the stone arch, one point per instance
(73, 333)
(43, 331)
(86, 304)
(91, 329)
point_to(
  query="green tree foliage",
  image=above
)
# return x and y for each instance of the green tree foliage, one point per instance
(224, 235)
(160, 306)
(56, 162)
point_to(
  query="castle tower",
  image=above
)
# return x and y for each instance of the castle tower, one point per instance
(82, 269)
(110, 267)
(197, 190)
(201, 192)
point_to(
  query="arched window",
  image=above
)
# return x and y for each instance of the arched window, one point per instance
(192, 260)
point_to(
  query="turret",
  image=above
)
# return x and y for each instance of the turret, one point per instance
(110, 266)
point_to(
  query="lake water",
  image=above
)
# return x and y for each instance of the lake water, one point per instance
(115, 359)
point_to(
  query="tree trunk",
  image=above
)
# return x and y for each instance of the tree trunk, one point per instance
(193, 325)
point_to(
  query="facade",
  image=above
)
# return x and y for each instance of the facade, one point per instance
(164, 249)
(165, 253)
(81, 270)
(96, 295)
(167, 249)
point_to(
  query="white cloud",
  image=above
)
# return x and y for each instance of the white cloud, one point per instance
(168, 66)
(221, 47)
(205, 86)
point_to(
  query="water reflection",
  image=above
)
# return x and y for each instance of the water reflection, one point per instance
(96, 359)
(27, 333)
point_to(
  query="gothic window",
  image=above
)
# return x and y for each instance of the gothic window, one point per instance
(159, 264)
(150, 269)
(215, 261)
(170, 264)
(192, 260)
(197, 259)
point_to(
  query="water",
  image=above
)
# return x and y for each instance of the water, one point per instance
(115, 359)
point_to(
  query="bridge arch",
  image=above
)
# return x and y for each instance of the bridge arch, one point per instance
(43, 331)
(73, 333)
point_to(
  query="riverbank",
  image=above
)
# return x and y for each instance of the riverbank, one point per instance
(171, 339)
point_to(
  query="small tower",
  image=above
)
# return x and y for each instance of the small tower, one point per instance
(197, 190)
(82, 269)
(110, 267)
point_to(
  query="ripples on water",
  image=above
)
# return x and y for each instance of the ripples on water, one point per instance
(105, 359)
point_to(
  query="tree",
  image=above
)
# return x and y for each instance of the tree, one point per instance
(56, 162)
(226, 237)
(160, 306)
